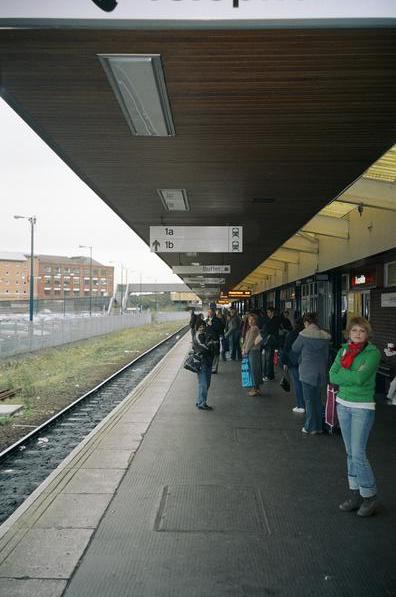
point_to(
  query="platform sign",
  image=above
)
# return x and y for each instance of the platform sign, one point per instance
(197, 280)
(199, 239)
(201, 269)
(210, 291)
(239, 293)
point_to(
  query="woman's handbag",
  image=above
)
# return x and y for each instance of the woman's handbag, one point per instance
(285, 383)
(193, 362)
(246, 375)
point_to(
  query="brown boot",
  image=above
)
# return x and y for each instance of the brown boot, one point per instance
(353, 502)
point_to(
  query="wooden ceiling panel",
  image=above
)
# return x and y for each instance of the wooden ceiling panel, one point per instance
(293, 115)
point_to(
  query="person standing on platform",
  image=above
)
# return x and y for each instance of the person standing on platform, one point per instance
(203, 345)
(233, 334)
(221, 317)
(193, 321)
(312, 346)
(284, 328)
(214, 329)
(252, 351)
(354, 371)
(270, 336)
(289, 363)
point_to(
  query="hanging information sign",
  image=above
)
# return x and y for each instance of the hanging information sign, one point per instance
(198, 280)
(202, 290)
(239, 293)
(201, 269)
(199, 239)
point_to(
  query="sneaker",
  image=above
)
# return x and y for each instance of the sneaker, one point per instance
(304, 430)
(266, 379)
(353, 502)
(299, 410)
(207, 407)
(316, 432)
(368, 507)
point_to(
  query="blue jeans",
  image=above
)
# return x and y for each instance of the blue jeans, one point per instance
(356, 424)
(204, 377)
(313, 407)
(297, 387)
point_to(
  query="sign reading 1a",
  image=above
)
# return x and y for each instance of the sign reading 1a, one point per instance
(200, 239)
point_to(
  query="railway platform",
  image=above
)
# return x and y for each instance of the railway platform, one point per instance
(163, 500)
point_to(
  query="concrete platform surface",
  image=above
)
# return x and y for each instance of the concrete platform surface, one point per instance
(225, 503)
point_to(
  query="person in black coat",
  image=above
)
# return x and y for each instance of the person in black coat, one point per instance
(214, 329)
(203, 345)
(289, 363)
(270, 335)
(193, 321)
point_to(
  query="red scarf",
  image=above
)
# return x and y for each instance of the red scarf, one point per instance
(351, 352)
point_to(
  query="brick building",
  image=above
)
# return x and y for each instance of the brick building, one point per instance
(69, 277)
(54, 277)
(14, 276)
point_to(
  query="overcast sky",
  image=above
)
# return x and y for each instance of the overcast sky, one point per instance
(35, 181)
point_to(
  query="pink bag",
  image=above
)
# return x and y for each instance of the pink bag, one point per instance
(331, 418)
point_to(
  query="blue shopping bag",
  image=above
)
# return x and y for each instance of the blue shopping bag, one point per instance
(247, 381)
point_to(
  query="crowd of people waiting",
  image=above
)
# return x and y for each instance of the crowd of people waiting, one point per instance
(304, 357)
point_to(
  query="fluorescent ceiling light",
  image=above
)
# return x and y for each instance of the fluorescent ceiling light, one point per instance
(139, 86)
(174, 199)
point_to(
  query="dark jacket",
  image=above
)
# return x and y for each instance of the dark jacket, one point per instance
(215, 329)
(204, 345)
(288, 356)
(270, 333)
(193, 320)
(233, 326)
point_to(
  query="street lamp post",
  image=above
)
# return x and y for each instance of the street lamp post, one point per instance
(90, 275)
(32, 220)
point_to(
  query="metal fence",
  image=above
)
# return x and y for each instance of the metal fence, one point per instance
(161, 316)
(20, 336)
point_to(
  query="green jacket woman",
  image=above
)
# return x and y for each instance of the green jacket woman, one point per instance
(354, 371)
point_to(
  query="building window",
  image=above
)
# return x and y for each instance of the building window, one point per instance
(390, 273)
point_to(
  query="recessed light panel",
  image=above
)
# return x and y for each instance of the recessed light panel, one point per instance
(174, 199)
(139, 86)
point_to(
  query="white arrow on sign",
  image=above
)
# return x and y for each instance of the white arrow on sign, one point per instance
(199, 239)
(201, 269)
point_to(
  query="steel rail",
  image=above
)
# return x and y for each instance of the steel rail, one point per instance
(6, 453)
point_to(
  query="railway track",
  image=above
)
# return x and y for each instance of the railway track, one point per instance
(25, 464)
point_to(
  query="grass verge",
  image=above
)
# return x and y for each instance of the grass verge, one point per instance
(49, 380)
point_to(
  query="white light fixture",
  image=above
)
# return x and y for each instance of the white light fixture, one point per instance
(174, 199)
(139, 86)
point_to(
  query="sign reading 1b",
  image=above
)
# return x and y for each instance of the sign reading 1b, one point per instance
(197, 239)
